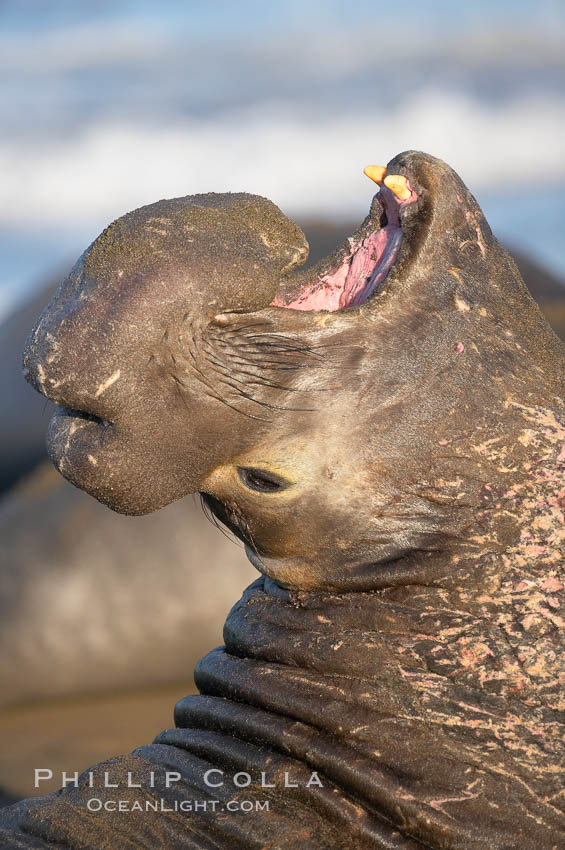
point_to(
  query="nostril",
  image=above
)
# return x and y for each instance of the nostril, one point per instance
(73, 413)
(69, 401)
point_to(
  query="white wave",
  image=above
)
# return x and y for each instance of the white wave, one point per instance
(309, 166)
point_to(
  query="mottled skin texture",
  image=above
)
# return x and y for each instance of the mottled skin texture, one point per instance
(404, 638)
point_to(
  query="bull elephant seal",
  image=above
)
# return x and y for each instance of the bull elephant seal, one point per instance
(388, 440)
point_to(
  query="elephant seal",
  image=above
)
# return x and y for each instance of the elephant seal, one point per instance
(386, 434)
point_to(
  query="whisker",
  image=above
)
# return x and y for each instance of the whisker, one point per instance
(248, 533)
(211, 517)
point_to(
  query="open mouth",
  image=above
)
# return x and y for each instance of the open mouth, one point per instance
(364, 267)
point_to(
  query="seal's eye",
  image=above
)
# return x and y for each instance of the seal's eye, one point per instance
(261, 481)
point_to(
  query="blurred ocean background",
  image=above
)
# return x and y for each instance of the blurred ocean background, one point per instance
(111, 104)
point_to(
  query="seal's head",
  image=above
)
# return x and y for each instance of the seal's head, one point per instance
(345, 420)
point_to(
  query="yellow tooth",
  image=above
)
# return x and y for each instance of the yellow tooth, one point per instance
(399, 185)
(375, 172)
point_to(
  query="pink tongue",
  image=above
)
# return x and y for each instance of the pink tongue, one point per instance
(361, 272)
(355, 280)
(370, 265)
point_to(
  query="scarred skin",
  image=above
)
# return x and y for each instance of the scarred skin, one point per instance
(403, 641)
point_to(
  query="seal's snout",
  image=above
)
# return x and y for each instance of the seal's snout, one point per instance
(39, 367)
(33, 367)
(52, 367)
(36, 369)
(121, 349)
